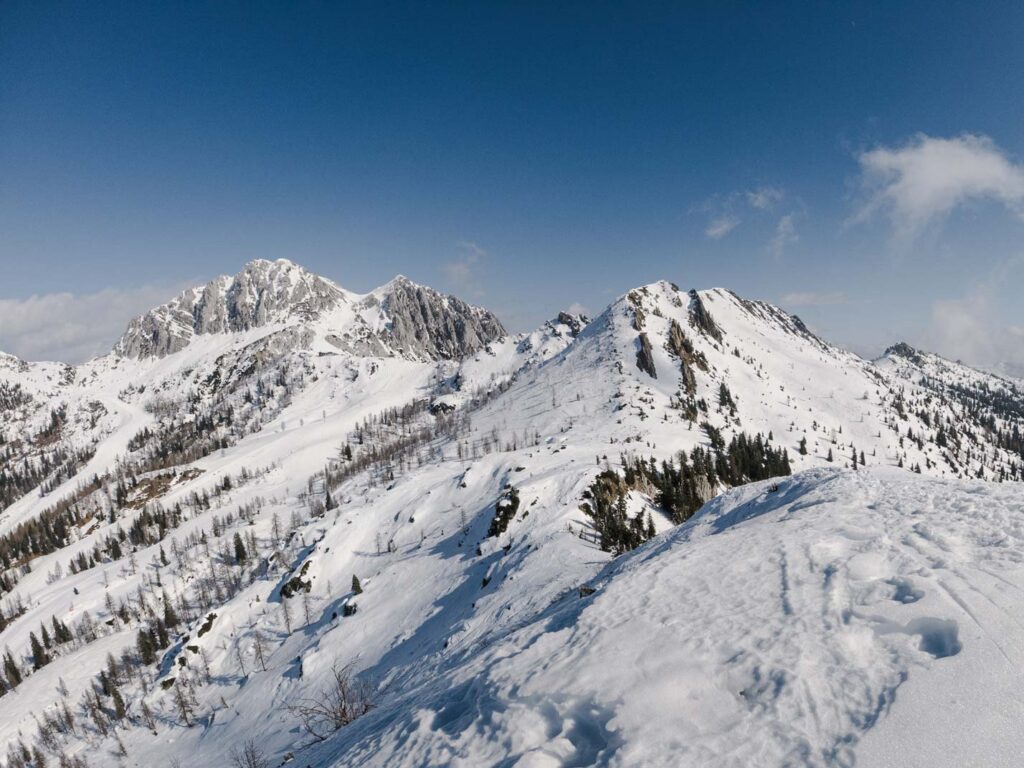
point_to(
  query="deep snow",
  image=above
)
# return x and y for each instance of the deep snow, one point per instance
(864, 618)
(870, 617)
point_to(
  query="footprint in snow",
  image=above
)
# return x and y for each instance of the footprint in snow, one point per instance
(904, 591)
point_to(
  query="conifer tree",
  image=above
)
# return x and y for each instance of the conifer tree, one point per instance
(144, 644)
(170, 616)
(120, 709)
(11, 670)
(39, 657)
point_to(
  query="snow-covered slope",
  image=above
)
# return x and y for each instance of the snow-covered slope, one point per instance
(197, 503)
(834, 618)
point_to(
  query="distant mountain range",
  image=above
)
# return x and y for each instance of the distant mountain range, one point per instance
(270, 477)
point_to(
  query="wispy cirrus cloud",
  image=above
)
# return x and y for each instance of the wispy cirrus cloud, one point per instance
(785, 234)
(721, 226)
(727, 212)
(764, 198)
(922, 181)
(74, 327)
(462, 271)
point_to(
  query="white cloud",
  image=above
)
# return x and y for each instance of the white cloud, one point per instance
(785, 233)
(726, 210)
(962, 330)
(814, 299)
(71, 327)
(924, 180)
(765, 198)
(578, 309)
(462, 271)
(971, 328)
(721, 226)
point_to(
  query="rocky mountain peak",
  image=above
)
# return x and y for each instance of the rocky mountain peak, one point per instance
(425, 323)
(263, 292)
(575, 322)
(904, 350)
(401, 317)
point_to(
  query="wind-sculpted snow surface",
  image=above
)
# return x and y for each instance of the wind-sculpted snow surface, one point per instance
(845, 618)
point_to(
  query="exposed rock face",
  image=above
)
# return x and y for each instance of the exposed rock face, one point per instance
(681, 347)
(263, 292)
(902, 349)
(575, 323)
(701, 319)
(424, 323)
(645, 356)
(401, 318)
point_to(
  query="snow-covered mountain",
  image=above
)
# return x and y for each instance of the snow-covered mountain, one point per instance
(273, 486)
(399, 318)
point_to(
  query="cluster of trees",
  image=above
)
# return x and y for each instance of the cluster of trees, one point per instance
(148, 527)
(106, 705)
(725, 401)
(391, 441)
(53, 528)
(605, 503)
(41, 535)
(397, 439)
(212, 566)
(221, 411)
(212, 585)
(24, 467)
(986, 421)
(59, 525)
(182, 441)
(44, 645)
(12, 397)
(679, 485)
(504, 511)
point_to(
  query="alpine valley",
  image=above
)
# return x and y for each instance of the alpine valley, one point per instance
(285, 523)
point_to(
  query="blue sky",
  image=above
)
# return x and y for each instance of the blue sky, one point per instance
(862, 166)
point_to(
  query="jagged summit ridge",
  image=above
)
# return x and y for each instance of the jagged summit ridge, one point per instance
(401, 317)
(263, 292)
(426, 323)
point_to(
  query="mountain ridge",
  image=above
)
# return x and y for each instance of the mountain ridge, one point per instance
(266, 293)
(473, 481)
